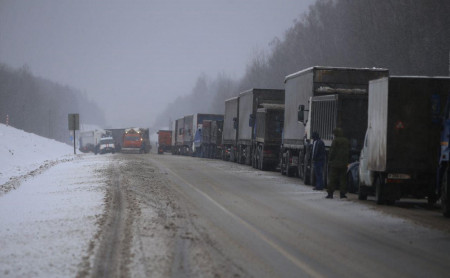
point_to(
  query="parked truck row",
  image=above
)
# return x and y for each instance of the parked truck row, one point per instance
(398, 129)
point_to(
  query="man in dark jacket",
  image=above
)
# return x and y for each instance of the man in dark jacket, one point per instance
(318, 159)
(338, 161)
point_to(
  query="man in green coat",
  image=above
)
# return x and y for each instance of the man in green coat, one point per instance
(338, 161)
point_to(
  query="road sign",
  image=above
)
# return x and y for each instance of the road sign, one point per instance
(74, 121)
(74, 124)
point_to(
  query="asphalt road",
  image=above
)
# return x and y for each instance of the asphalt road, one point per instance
(260, 224)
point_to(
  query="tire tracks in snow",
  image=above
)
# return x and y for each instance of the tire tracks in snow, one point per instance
(15, 182)
(109, 251)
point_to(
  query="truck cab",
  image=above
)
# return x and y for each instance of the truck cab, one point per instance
(106, 145)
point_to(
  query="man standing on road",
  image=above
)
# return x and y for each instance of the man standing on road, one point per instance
(339, 153)
(318, 159)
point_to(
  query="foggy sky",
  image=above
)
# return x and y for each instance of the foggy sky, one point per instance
(135, 57)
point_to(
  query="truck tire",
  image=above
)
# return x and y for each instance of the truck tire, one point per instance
(300, 168)
(255, 159)
(362, 192)
(351, 186)
(289, 171)
(307, 172)
(282, 167)
(445, 194)
(262, 166)
(248, 155)
(379, 190)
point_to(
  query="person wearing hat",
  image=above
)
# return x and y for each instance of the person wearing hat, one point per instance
(318, 159)
(338, 161)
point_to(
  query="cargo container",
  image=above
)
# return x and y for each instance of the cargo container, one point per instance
(268, 130)
(211, 140)
(249, 101)
(400, 157)
(164, 141)
(229, 134)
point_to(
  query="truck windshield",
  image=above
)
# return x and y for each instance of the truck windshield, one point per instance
(132, 138)
(107, 141)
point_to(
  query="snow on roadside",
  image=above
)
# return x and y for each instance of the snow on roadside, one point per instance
(47, 223)
(22, 152)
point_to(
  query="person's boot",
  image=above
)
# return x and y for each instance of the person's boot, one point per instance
(329, 196)
(343, 196)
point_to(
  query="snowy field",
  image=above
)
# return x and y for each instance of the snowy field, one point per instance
(48, 220)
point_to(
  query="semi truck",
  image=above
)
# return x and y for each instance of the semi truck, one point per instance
(136, 140)
(404, 154)
(229, 134)
(211, 143)
(164, 141)
(300, 87)
(268, 131)
(347, 109)
(249, 101)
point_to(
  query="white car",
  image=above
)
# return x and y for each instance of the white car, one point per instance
(106, 145)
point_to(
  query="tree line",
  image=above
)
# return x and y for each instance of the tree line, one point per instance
(408, 37)
(41, 106)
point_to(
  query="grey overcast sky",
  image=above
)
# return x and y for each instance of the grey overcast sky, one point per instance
(139, 54)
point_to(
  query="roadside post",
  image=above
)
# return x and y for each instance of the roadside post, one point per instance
(74, 124)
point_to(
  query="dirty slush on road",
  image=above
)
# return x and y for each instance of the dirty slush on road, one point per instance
(147, 230)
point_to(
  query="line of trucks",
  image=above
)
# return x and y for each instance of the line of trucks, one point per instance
(112, 140)
(398, 128)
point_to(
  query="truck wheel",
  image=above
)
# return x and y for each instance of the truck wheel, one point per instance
(288, 170)
(255, 159)
(300, 168)
(261, 160)
(351, 183)
(282, 168)
(379, 190)
(248, 155)
(362, 193)
(307, 173)
(445, 194)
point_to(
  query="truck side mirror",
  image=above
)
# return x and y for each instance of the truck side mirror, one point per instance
(235, 123)
(251, 120)
(301, 113)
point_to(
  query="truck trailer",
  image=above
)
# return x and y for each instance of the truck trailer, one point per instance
(193, 129)
(229, 134)
(268, 131)
(249, 101)
(164, 141)
(211, 141)
(89, 140)
(400, 156)
(300, 87)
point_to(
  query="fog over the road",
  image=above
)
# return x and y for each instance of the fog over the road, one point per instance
(139, 54)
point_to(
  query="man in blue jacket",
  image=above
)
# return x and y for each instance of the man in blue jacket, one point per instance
(318, 158)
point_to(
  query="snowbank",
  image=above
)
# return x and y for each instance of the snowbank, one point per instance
(22, 152)
(48, 222)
